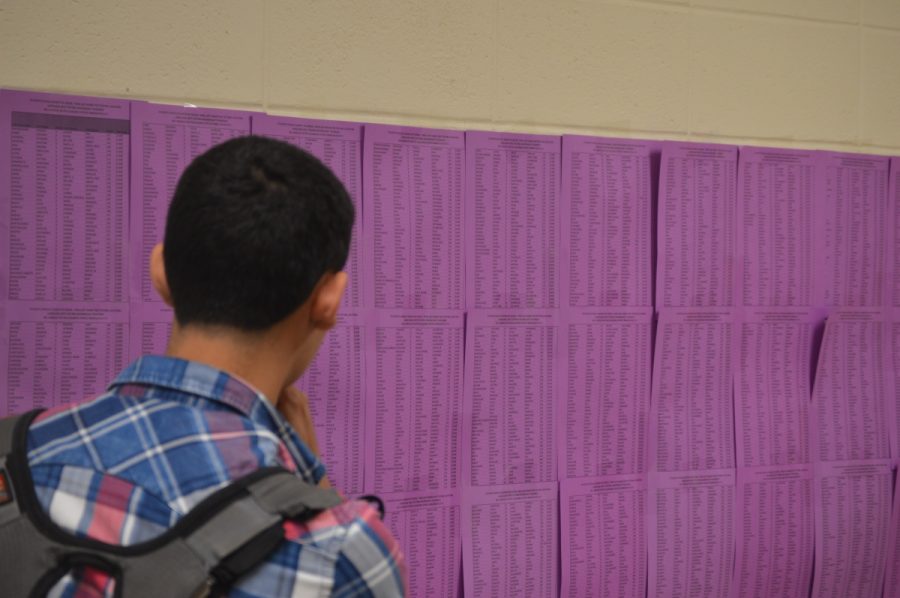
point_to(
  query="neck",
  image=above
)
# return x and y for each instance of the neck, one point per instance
(256, 358)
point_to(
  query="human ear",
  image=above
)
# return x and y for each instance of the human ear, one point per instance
(328, 299)
(158, 274)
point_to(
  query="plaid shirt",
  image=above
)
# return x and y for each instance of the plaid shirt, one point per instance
(124, 467)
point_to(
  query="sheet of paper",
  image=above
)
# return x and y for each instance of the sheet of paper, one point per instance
(892, 566)
(5, 407)
(892, 386)
(772, 383)
(690, 536)
(509, 540)
(512, 220)
(57, 353)
(334, 384)
(892, 238)
(509, 399)
(774, 230)
(339, 146)
(414, 400)
(850, 229)
(695, 253)
(604, 391)
(414, 188)
(774, 531)
(691, 414)
(164, 140)
(853, 516)
(606, 234)
(63, 197)
(426, 524)
(150, 328)
(849, 411)
(603, 534)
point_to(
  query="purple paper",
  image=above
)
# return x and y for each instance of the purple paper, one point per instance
(334, 384)
(512, 220)
(604, 540)
(605, 391)
(509, 404)
(509, 540)
(414, 217)
(5, 408)
(850, 230)
(849, 411)
(695, 253)
(427, 524)
(774, 532)
(892, 383)
(64, 197)
(853, 516)
(774, 231)
(338, 145)
(151, 327)
(606, 231)
(689, 534)
(413, 400)
(892, 238)
(772, 385)
(164, 140)
(60, 353)
(691, 422)
(892, 568)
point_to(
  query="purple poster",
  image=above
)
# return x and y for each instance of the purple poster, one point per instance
(695, 223)
(413, 184)
(606, 213)
(512, 220)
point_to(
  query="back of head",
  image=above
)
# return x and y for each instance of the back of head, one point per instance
(253, 225)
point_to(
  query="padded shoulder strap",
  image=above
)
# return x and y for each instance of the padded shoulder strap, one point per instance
(12, 429)
(239, 537)
(7, 425)
(285, 494)
(8, 429)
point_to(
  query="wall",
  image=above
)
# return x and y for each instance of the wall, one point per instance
(793, 73)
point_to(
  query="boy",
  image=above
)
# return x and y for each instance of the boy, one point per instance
(256, 237)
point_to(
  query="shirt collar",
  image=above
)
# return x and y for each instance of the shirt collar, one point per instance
(194, 378)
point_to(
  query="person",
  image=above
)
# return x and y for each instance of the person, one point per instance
(256, 237)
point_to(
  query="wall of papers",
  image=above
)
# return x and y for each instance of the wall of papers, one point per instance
(570, 365)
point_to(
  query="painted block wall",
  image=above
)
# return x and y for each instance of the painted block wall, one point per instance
(791, 73)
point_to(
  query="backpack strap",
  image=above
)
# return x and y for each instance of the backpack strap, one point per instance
(7, 425)
(8, 431)
(9, 508)
(242, 534)
(225, 536)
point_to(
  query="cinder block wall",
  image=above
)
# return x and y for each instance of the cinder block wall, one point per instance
(807, 73)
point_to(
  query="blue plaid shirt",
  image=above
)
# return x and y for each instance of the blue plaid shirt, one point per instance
(124, 467)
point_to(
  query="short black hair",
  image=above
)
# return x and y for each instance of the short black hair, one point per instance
(253, 225)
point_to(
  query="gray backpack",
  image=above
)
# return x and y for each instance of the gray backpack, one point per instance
(221, 539)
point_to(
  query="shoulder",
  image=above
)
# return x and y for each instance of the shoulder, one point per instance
(346, 551)
(177, 450)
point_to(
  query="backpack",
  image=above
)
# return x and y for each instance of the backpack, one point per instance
(225, 536)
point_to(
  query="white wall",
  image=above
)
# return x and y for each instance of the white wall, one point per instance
(808, 73)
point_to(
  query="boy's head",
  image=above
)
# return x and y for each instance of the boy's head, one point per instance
(253, 226)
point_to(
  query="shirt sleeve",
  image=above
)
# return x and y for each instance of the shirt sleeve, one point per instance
(345, 551)
(370, 562)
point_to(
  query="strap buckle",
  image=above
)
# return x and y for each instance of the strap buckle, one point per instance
(205, 590)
